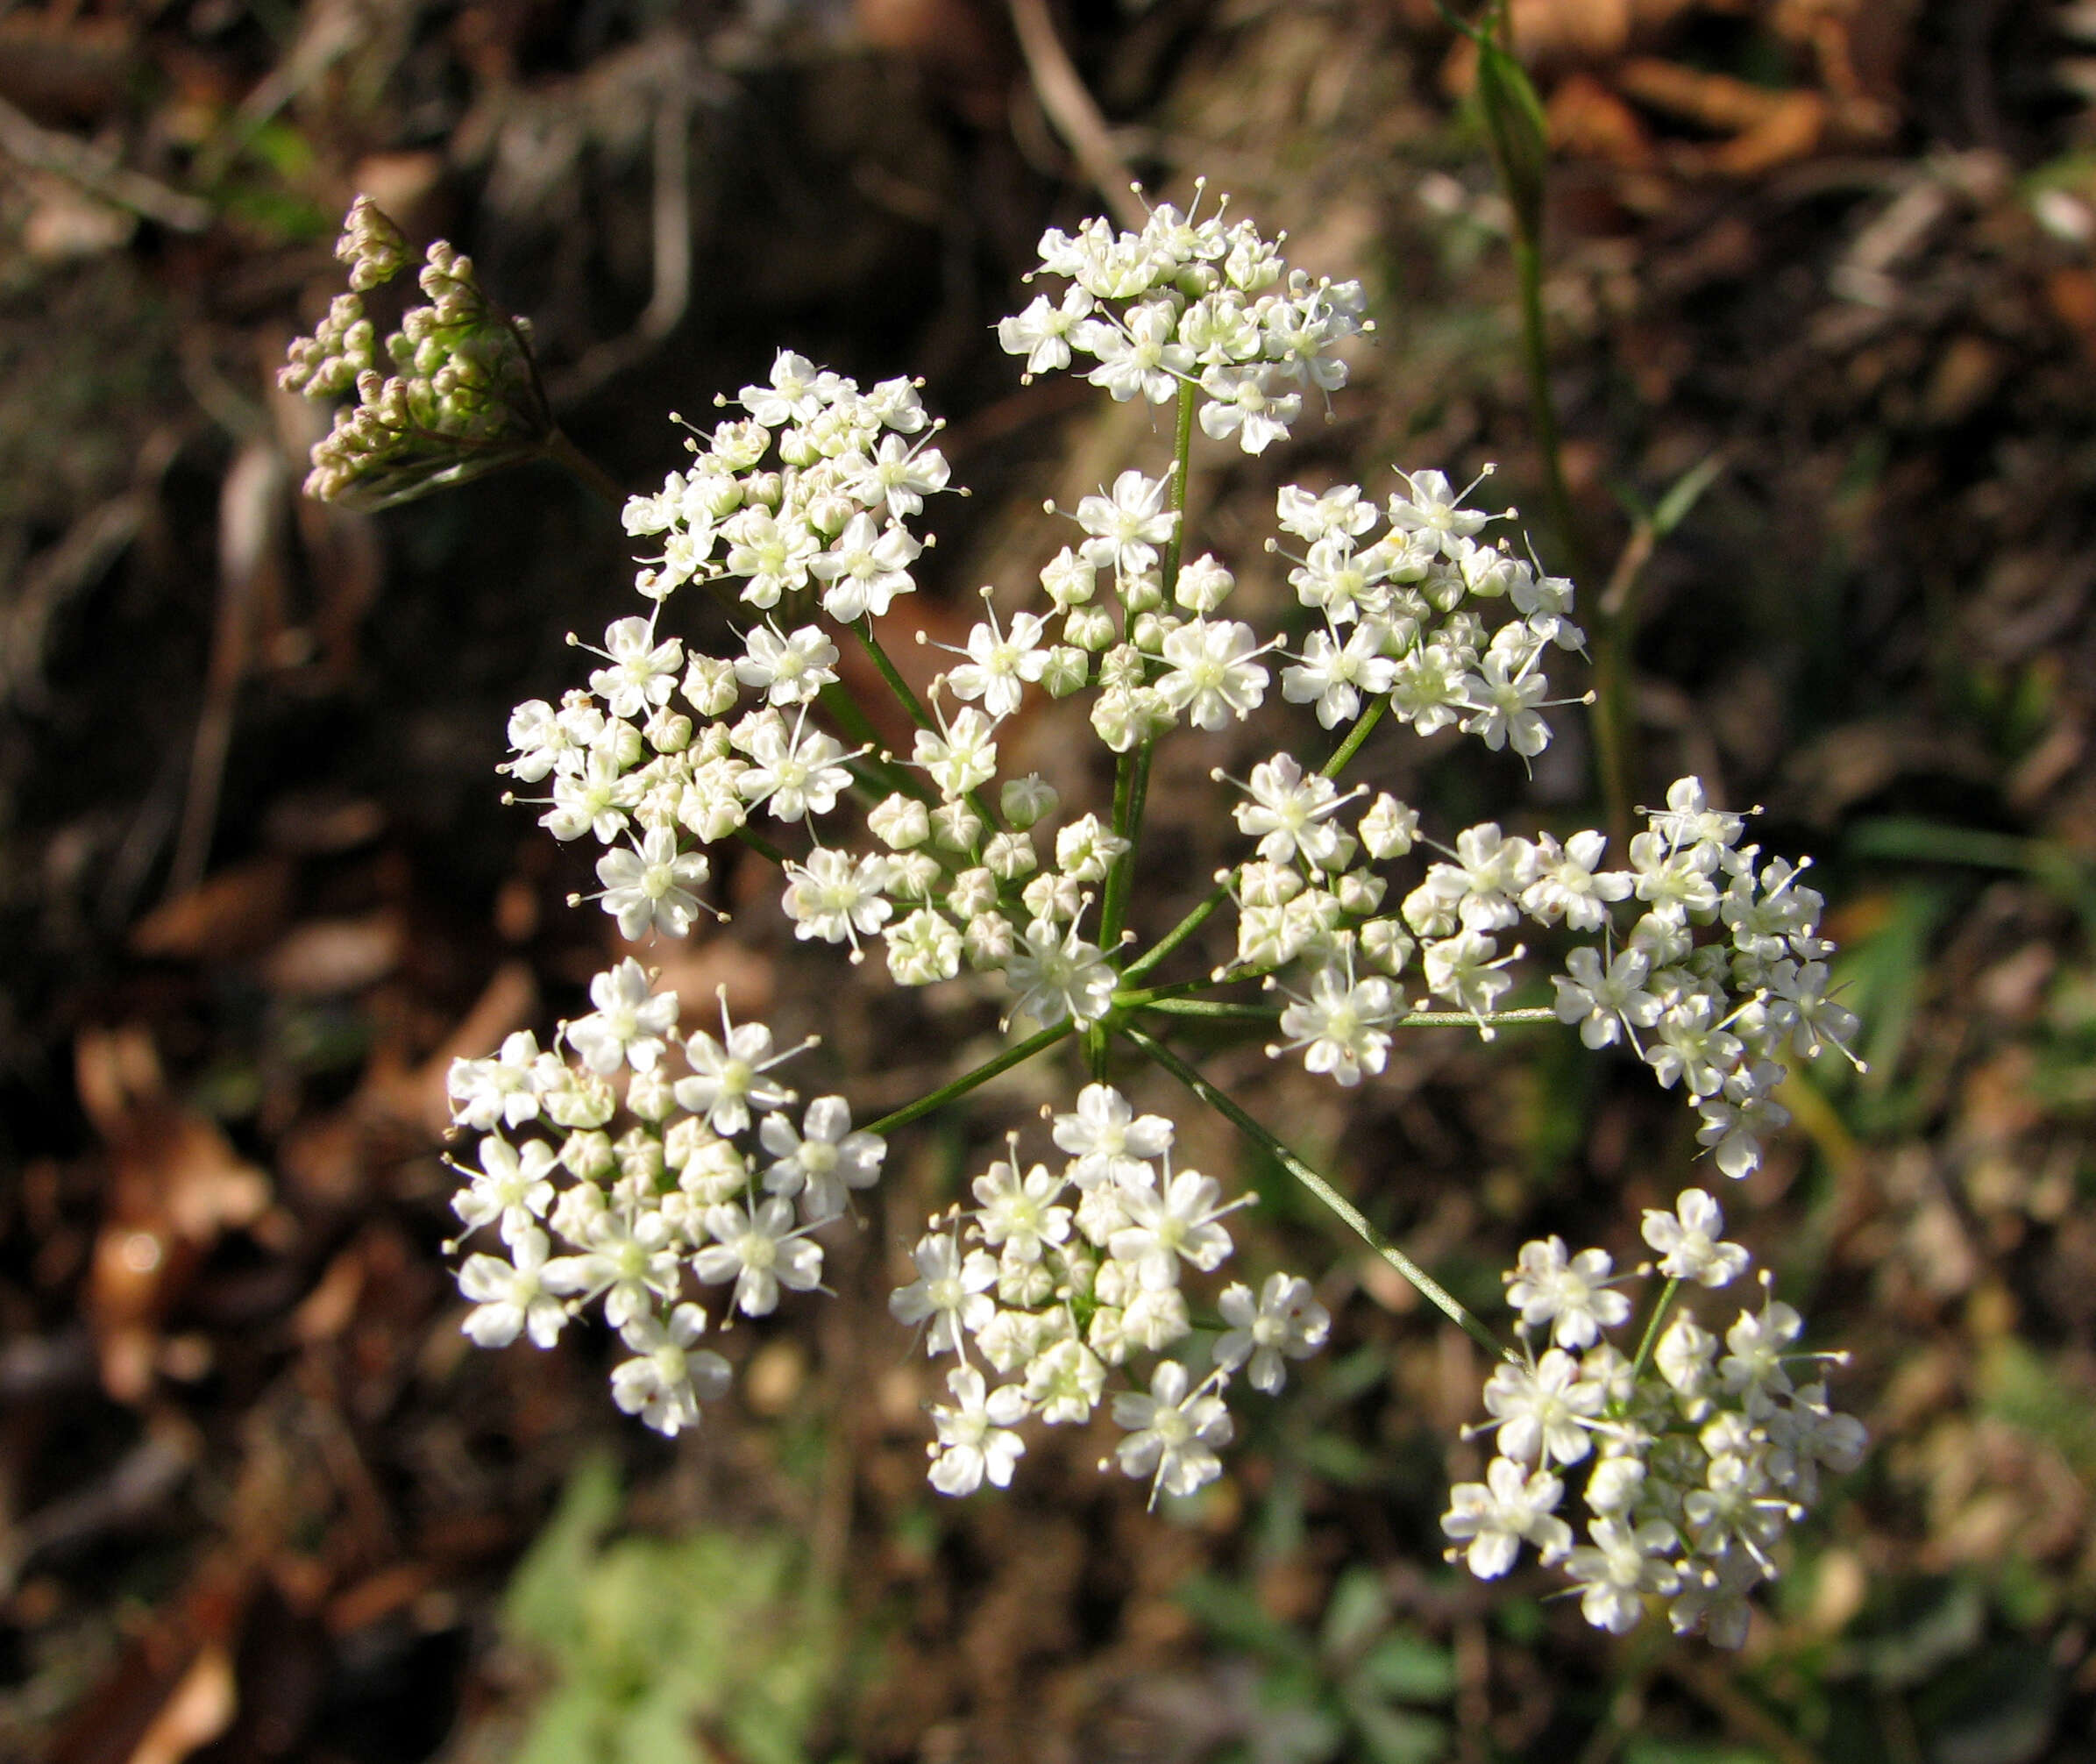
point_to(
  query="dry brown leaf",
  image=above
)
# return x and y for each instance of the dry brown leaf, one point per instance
(1590, 122)
(696, 968)
(175, 1186)
(326, 957)
(418, 1097)
(1546, 32)
(201, 1707)
(230, 914)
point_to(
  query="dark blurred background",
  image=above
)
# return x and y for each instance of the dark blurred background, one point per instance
(259, 1500)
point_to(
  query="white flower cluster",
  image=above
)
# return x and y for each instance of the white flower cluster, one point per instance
(1712, 1016)
(1207, 303)
(1053, 1278)
(1699, 1459)
(711, 1181)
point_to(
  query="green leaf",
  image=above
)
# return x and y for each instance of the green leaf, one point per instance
(1398, 1736)
(1651, 1751)
(1676, 505)
(1358, 1611)
(1997, 1708)
(540, 1604)
(1409, 1669)
(1519, 136)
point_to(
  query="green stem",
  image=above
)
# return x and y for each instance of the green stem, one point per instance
(1363, 728)
(1177, 935)
(1183, 447)
(1131, 786)
(565, 452)
(1465, 1019)
(1613, 730)
(1019, 1054)
(857, 726)
(761, 846)
(1349, 1214)
(1543, 409)
(919, 715)
(1215, 1008)
(897, 683)
(1652, 1330)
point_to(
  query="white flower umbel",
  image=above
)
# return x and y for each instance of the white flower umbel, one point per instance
(629, 1163)
(646, 1210)
(1695, 1464)
(1059, 1276)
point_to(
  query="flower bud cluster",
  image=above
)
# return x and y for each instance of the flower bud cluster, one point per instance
(1207, 303)
(463, 398)
(1698, 1456)
(657, 1164)
(1714, 1016)
(1053, 1280)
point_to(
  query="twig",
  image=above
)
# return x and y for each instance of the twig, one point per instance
(96, 171)
(1070, 107)
(672, 216)
(250, 507)
(77, 561)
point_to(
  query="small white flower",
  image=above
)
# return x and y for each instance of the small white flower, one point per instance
(509, 1297)
(787, 670)
(1056, 974)
(798, 772)
(1256, 404)
(865, 569)
(488, 1093)
(511, 1186)
(1064, 1382)
(837, 897)
(1041, 332)
(1138, 356)
(960, 756)
(1512, 1504)
(729, 1076)
(1016, 1212)
(1687, 1240)
(761, 1250)
(1127, 527)
(1341, 1025)
(1333, 675)
(1287, 812)
(976, 1441)
(1285, 1319)
(1173, 1432)
(1214, 674)
(899, 477)
(1545, 1408)
(823, 1162)
(630, 1023)
(923, 949)
(1108, 1142)
(1174, 1223)
(953, 1293)
(666, 1380)
(651, 889)
(1432, 510)
(1000, 664)
(1571, 1293)
(1621, 1565)
(643, 672)
(627, 1262)
(1601, 1000)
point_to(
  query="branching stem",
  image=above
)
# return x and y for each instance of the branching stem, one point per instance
(1016, 1055)
(1349, 1214)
